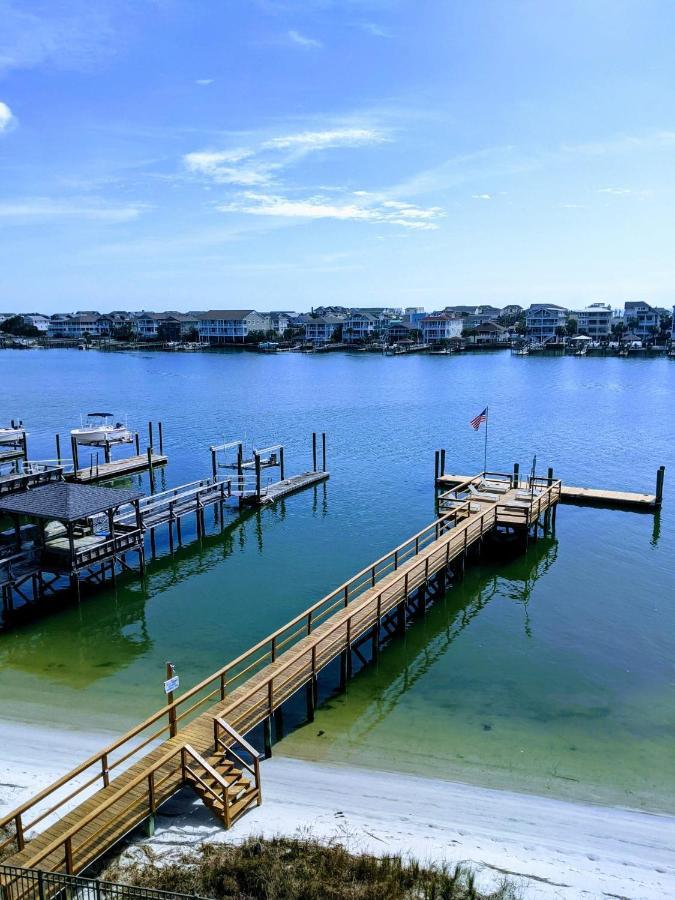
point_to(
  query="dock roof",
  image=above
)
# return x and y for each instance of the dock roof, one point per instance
(66, 502)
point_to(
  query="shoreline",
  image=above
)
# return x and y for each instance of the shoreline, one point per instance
(550, 848)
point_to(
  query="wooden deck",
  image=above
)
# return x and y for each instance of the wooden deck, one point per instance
(581, 496)
(280, 489)
(130, 778)
(115, 469)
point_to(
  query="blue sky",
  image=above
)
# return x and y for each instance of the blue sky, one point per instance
(188, 154)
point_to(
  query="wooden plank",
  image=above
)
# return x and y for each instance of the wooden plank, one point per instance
(115, 469)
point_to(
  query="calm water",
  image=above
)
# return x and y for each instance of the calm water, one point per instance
(554, 672)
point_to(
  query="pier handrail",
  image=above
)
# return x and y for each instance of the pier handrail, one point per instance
(101, 758)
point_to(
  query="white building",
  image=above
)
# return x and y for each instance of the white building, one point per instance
(76, 326)
(37, 321)
(440, 327)
(230, 326)
(320, 330)
(542, 321)
(595, 320)
(641, 319)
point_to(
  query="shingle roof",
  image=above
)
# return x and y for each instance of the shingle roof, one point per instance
(226, 314)
(65, 502)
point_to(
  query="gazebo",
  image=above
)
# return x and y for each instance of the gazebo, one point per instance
(76, 527)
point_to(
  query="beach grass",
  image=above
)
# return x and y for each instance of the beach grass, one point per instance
(302, 869)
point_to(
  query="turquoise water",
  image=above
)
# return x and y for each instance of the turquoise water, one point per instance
(554, 672)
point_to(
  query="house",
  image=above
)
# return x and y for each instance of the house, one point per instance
(488, 333)
(400, 331)
(320, 329)
(542, 321)
(280, 320)
(641, 319)
(75, 326)
(359, 326)
(230, 326)
(484, 314)
(595, 320)
(37, 321)
(440, 327)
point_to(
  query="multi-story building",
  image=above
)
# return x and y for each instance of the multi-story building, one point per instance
(595, 320)
(280, 320)
(641, 319)
(542, 321)
(440, 327)
(359, 326)
(320, 329)
(230, 326)
(76, 326)
(488, 333)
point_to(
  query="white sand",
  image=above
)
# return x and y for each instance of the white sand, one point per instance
(551, 848)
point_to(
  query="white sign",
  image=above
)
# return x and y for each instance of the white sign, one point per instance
(171, 684)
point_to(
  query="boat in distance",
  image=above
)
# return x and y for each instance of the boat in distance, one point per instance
(98, 428)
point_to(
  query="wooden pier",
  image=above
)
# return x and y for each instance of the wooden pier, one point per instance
(90, 809)
(116, 468)
(583, 496)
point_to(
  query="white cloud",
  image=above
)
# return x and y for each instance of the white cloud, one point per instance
(204, 81)
(376, 30)
(46, 209)
(617, 191)
(224, 167)
(320, 207)
(323, 140)
(303, 41)
(481, 196)
(7, 120)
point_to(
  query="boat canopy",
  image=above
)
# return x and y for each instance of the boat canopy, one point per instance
(92, 414)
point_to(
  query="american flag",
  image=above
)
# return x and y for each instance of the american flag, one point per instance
(479, 419)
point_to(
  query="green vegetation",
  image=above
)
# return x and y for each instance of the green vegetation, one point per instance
(303, 869)
(16, 326)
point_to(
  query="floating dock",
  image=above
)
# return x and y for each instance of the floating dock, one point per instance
(582, 496)
(288, 486)
(117, 468)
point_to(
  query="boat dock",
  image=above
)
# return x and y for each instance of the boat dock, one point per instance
(105, 471)
(191, 741)
(583, 496)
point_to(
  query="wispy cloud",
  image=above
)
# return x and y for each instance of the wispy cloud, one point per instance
(36, 210)
(7, 120)
(481, 196)
(302, 40)
(393, 212)
(259, 165)
(615, 191)
(204, 81)
(376, 30)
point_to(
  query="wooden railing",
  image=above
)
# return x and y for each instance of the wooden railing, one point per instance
(227, 744)
(119, 543)
(453, 527)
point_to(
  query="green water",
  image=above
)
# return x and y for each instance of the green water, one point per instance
(553, 672)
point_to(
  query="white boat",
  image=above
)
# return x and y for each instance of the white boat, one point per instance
(522, 351)
(11, 435)
(99, 429)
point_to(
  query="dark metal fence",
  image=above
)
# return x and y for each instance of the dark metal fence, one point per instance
(33, 884)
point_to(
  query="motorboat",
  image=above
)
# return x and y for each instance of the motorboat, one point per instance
(98, 429)
(11, 435)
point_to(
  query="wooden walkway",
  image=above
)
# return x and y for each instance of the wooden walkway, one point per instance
(130, 778)
(116, 469)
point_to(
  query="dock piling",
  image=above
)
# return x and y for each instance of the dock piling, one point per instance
(516, 474)
(443, 461)
(161, 438)
(58, 449)
(323, 450)
(151, 470)
(314, 451)
(660, 476)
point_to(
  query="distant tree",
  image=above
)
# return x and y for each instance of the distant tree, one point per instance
(519, 325)
(192, 335)
(572, 327)
(123, 332)
(336, 336)
(255, 337)
(560, 331)
(18, 327)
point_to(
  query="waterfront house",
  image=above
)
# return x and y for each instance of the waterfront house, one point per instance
(41, 323)
(280, 320)
(230, 326)
(439, 327)
(360, 327)
(321, 329)
(642, 319)
(76, 326)
(400, 332)
(542, 322)
(595, 320)
(489, 333)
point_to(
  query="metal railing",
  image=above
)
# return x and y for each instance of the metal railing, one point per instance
(17, 883)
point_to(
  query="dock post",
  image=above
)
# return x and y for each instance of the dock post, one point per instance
(214, 464)
(442, 461)
(281, 464)
(257, 476)
(106, 450)
(73, 447)
(150, 440)
(516, 474)
(314, 451)
(437, 465)
(138, 444)
(173, 728)
(58, 449)
(151, 470)
(267, 738)
(310, 689)
(323, 450)
(547, 514)
(660, 476)
(161, 437)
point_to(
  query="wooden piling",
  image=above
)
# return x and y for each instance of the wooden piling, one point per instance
(281, 464)
(58, 449)
(323, 450)
(161, 437)
(516, 474)
(660, 476)
(150, 437)
(437, 465)
(73, 448)
(314, 451)
(170, 672)
(151, 470)
(442, 461)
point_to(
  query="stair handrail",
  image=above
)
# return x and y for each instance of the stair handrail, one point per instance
(254, 769)
(187, 749)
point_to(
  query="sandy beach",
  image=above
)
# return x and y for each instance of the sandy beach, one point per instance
(550, 848)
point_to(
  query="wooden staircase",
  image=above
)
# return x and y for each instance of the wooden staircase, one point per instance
(219, 779)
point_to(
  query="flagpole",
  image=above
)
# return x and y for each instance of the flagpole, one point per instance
(486, 436)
